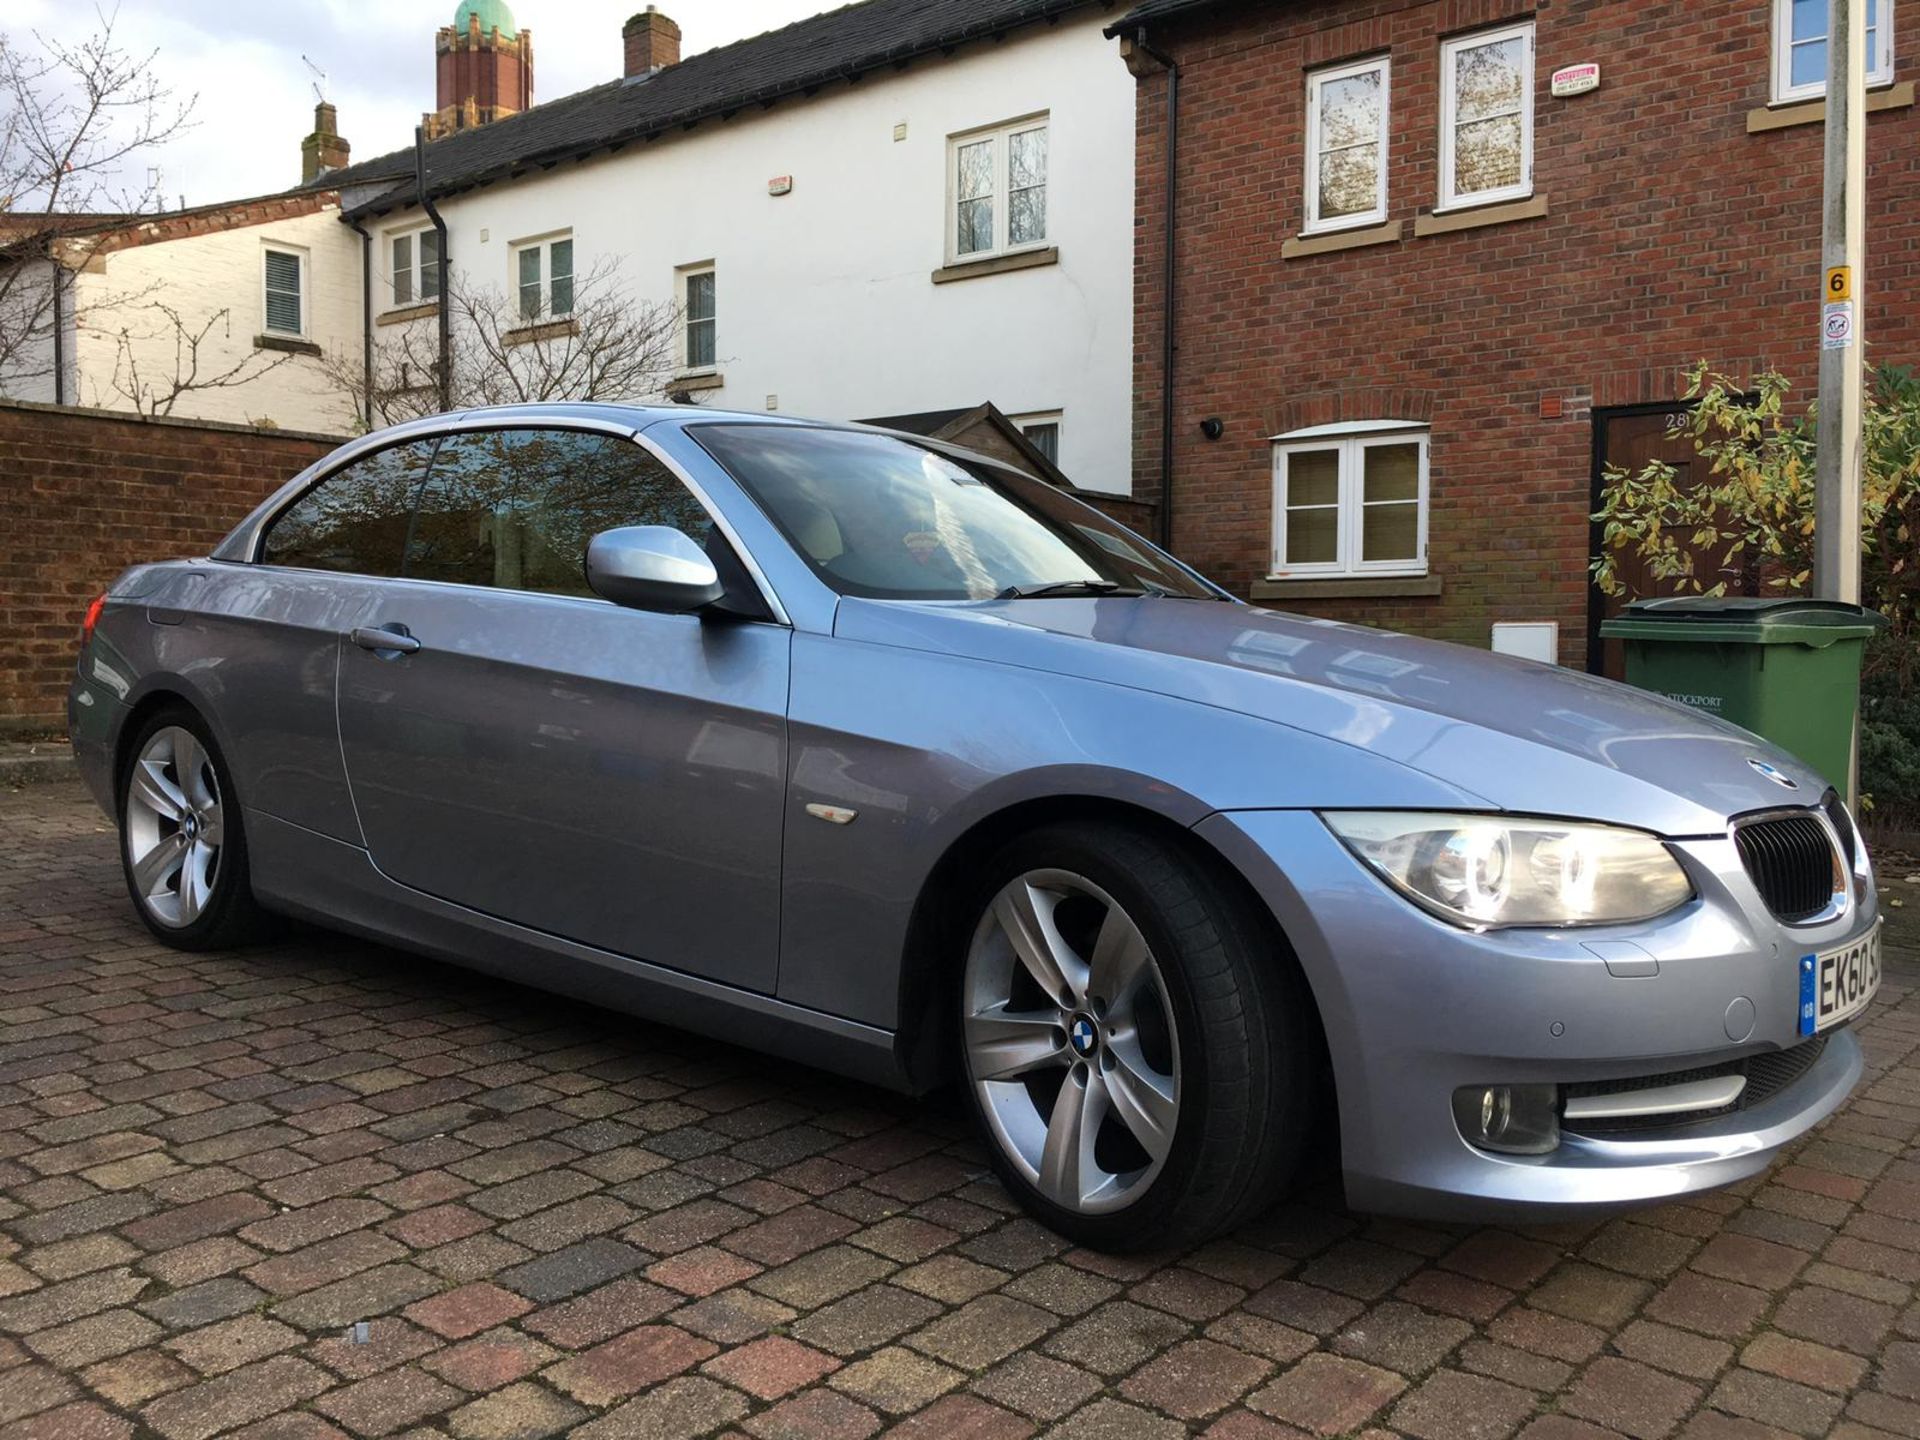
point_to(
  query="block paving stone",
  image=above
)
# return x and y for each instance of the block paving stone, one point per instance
(319, 1190)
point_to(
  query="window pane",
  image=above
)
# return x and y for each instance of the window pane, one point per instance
(1487, 79)
(1809, 20)
(429, 264)
(878, 516)
(283, 292)
(1486, 155)
(530, 266)
(976, 226)
(1349, 181)
(1027, 216)
(1350, 110)
(700, 296)
(402, 269)
(563, 294)
(975, 170)
(1390, 532)
(562, 258)
(1027, 159)
(283, 271)
(1810, 63)
(283, 313)
(356, 520)
(457, 532)
(1312, 536)
(514, 509)
(1046, 439)
(529, 302)
(571, 487)
(1313, 477)
(1392, 473)
(700, 338)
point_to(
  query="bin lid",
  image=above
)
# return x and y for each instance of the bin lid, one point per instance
(1754, 620)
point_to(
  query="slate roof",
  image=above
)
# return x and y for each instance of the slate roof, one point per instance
(1151, 10)
(839, 45)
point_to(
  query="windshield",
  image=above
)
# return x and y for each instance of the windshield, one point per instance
(879, 517)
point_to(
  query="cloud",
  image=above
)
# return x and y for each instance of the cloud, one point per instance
(254, 95)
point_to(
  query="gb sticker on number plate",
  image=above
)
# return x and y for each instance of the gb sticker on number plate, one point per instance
(1836, 985)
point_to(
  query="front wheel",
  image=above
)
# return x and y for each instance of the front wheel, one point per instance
(1139, 1052)
(182, 845)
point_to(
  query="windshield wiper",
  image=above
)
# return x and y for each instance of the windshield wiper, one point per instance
(1066, 587)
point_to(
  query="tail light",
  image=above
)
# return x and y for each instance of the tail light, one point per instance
(93, 617)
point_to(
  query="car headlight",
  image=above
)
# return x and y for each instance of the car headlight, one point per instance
(1487, 870)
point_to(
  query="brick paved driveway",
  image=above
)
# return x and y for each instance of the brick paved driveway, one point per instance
(325, 1188)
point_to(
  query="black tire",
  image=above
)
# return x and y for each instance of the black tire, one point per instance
(1249, 1054)
(230, 915)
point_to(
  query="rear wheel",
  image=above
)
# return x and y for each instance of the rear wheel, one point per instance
(182, 844)
(1140, 1058)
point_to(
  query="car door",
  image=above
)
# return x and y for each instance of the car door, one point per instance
(535, 753)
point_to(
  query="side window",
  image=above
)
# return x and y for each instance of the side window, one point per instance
(355, 520)
(515, 509)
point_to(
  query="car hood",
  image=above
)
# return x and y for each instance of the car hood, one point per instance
(1530, 738)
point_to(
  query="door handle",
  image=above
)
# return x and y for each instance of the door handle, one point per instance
(391, 639)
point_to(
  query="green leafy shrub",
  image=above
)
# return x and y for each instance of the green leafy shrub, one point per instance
(1742, 522)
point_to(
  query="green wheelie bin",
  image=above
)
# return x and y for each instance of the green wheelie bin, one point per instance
(1787, 669)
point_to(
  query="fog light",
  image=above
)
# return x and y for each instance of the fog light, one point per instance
(1514, 1119)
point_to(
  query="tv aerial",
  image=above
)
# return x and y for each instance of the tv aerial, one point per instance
(319, 80)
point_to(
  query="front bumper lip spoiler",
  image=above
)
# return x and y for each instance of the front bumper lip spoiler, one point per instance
(1589, 1176)
(1687, 1097)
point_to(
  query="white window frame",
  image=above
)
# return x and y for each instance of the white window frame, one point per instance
(1352, 440)
(681, 276)
(302, 259)
(1002, 137)
(544, 245)
(1879, 53)
(417, 269)
(1315, 81)
(1054, 418)
(1450, 198)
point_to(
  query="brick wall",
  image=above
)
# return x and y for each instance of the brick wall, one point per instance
(86, 493)
(1673, 234)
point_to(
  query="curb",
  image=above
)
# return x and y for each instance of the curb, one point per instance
(36, 765)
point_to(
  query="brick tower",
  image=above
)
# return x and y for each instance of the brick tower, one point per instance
(484, 68)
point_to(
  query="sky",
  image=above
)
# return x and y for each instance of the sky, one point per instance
(255, 95)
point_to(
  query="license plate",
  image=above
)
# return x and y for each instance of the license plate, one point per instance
(1837, 985)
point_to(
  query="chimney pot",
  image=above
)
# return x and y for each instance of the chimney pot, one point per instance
(323, 150)
(652, 43)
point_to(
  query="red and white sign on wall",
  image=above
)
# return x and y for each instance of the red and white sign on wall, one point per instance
(1576, 79)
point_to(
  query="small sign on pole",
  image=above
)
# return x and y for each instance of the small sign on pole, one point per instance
(1576, 80)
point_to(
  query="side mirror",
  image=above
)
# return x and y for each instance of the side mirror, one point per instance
(652, 567)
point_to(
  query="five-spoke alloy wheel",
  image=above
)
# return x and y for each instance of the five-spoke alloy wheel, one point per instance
(1071, 1050)
(181, 841)
(1138, 1046)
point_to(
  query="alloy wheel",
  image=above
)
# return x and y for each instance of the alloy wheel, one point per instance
(174, 826)
(1070, 1042)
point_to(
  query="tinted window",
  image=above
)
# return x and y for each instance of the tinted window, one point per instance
(356, 519)
(880, 517)
(515, 508)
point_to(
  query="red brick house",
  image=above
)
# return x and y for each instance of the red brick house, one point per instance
(1420, 299)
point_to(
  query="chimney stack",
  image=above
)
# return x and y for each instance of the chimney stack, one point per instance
(323, 150)
(653, 43)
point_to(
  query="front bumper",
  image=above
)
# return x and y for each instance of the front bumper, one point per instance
(1415, 1008)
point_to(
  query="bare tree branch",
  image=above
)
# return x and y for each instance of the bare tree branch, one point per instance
(74, 118)
(154, 394)
(608, 346)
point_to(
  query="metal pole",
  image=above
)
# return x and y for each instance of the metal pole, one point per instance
(1836, 535)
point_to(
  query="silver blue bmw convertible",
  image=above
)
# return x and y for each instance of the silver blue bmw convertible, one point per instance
(856, 748)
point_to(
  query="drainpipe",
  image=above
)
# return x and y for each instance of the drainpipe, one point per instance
(59, 332)
(366, 318)
(1168, 273)
(446, 299)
